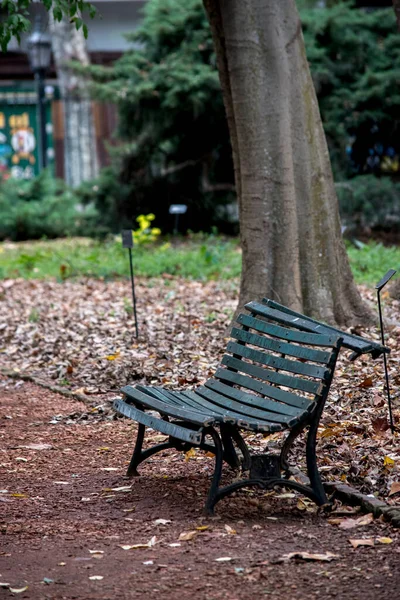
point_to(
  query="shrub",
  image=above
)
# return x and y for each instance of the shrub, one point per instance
(42, 207)
(368, 202)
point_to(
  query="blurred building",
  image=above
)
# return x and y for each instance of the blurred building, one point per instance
(18, 99)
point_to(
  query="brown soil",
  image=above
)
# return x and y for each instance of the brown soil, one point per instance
(57, 505)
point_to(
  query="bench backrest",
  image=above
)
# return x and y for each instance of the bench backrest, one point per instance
(278, 363)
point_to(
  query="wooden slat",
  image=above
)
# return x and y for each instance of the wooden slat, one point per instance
(274, 393)
(277, 363)
(252, 401)
(281, 347)
(228, 415)
(353, 342)
(165, 408)
(187, 435)
(198, 404)
(286, 318)
(235, 401)
(296, 383)
(291, 335)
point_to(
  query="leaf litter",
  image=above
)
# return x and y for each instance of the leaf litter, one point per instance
(82, 340)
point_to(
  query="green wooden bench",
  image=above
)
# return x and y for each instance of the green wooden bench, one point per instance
(275, 376)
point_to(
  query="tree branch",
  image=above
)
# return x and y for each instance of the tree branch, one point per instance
(396, 6)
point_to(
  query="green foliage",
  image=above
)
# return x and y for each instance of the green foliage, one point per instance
(199, 257)
(82, 257)
(370, 202)
(171, 118)
(355, 63)
(370, 261)
(15, 16)
(42, 207)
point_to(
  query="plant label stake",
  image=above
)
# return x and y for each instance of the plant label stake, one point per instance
(177, 209)
(127, 242)
(379, 286)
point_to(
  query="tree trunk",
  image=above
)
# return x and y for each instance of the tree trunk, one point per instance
(291, 239)
(80, 156)
(396, 6)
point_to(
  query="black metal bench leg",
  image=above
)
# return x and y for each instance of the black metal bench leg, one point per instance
(219, 454)
(312, 467)
(135, 460)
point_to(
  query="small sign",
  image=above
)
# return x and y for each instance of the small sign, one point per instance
(177, 209)
(127, 238)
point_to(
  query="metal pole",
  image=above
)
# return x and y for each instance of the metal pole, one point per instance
(176, 225)
(41, 116)
(133, 292)
(385, 364)
(379, 286)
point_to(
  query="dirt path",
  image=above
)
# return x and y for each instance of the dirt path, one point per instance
(58, 505)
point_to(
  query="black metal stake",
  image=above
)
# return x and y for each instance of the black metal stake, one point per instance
(379, 286)
(133, 292)
(127, 242)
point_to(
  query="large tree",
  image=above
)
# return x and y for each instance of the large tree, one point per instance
(289, 219)
(80, 156)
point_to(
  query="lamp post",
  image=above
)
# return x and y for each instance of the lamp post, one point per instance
(39, 53)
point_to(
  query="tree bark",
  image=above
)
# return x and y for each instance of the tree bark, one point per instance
(291, 239)
(80, 155)
(396, 6)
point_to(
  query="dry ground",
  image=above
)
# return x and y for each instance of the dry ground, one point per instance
(63, 502)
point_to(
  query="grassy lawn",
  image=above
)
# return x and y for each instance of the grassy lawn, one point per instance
(199, 257)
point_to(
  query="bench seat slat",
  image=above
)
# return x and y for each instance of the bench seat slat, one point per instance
(219, 412)
(262, 388)
(296, 383)
(252, 400)
(290, 335)
(240, 420)
(182, 433)
(281, 347)
(167, 409)
(276, 362)
(233, 399)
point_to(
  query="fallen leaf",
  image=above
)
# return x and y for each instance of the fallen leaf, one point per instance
(149, 544)
(202, 527)
(162, 521)
(361, 521)
(113, 356)
(36, 447)
(187, 535)
(388, 462)
(325, 557)
(384, 540)
(18, 495)
(394, 488)
(224, 559)
(230, 530)
(124, 488)
(18, 590)
(362, 542)
(366, 383)
(96, 551)
(190, 454)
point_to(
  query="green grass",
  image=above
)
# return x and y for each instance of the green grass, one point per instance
(372, 260)
(199, 257)
(202, 258)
